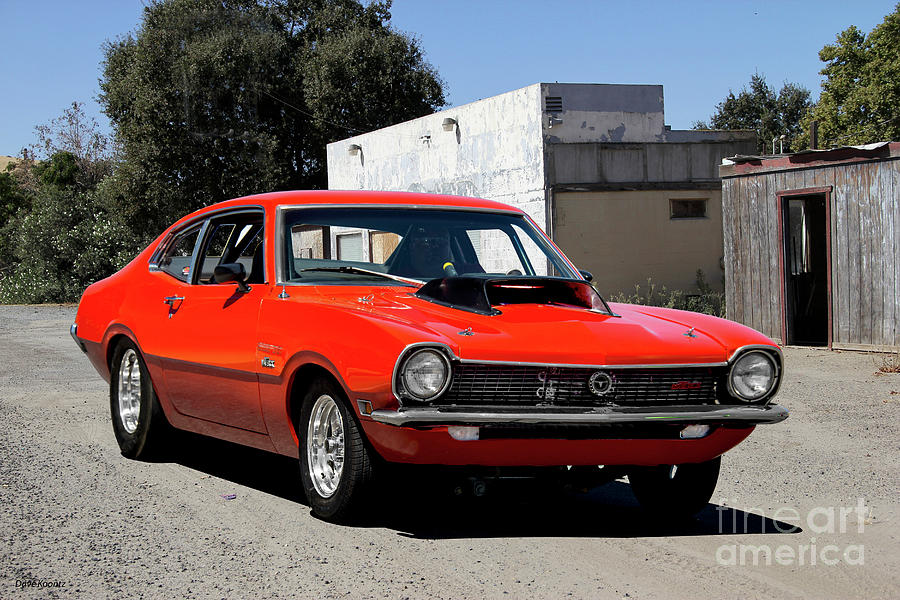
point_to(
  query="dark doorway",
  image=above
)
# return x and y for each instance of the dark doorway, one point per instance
(806, 285)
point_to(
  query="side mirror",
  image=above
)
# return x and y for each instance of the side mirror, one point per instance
(232, 272)
(588, 276)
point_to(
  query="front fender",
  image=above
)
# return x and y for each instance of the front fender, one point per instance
(358, 347)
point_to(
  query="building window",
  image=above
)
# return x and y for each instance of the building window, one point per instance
(687, 208)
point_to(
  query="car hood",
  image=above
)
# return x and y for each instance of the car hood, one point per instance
(544, 333)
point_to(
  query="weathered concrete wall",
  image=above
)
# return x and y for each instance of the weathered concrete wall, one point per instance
(624, 237)
(497, 150)
(666, 162)
(494, 152)
(603, 113)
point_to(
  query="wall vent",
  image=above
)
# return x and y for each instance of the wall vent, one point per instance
(553, 104)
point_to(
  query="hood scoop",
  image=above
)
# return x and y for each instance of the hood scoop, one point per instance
(484, 294)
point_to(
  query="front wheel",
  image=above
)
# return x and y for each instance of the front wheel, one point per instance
(138, 420)
(675, 491)
(335, 465)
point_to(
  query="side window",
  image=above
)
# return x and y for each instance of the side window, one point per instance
(236, 238)
(176, 261)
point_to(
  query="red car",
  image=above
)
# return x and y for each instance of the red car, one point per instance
(356, 329)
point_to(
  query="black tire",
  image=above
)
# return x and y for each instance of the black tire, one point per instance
(333, 498)
(145, 437)
(679, 495)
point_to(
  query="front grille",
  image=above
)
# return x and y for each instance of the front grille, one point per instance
(510, 385)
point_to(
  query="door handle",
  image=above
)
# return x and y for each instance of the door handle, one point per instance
(171, 300)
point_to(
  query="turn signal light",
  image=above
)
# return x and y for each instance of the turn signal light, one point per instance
(693, 432)
(463, 434)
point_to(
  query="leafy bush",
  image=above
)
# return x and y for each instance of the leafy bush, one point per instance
(706, 300)
(66, 241)
(63, 224)
(13, 199)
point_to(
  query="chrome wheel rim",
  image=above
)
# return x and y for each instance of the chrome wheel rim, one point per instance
(129, 391)
(325, 446)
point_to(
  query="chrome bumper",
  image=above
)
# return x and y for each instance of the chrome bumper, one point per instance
(73, 331)
(732, 415)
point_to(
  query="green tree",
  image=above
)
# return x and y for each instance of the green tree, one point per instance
(860, 99)
(212, 99)
(60, 170)
(61, 230)
(66, 241)
(77, 146)
(13, 199)
(763, 110)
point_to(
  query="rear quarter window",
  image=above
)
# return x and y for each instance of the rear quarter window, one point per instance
(178, 256)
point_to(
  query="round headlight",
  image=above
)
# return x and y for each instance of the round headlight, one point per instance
(425, 374)
(753, 376)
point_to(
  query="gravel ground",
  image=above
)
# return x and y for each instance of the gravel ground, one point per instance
(79, 520)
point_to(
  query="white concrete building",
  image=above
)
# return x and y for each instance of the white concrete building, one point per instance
(593, 164)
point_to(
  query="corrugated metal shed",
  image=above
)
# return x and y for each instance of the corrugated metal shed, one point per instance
(812, 245)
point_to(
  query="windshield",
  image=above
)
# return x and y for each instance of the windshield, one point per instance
(419, 244)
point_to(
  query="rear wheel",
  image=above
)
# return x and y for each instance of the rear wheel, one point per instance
(335, 466)
(675, 491)
(138, 420)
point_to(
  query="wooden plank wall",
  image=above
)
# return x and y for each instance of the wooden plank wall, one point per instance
(865, 249)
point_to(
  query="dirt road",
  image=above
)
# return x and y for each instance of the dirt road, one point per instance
(77, 520)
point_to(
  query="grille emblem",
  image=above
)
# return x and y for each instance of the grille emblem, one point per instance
(548, 388)
(600, 383)
(686, 385)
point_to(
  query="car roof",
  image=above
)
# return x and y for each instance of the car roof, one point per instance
(353, 197)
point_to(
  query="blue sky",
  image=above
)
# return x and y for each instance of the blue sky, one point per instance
(697, 50)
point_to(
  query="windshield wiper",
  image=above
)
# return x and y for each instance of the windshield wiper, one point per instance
(358, 271)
